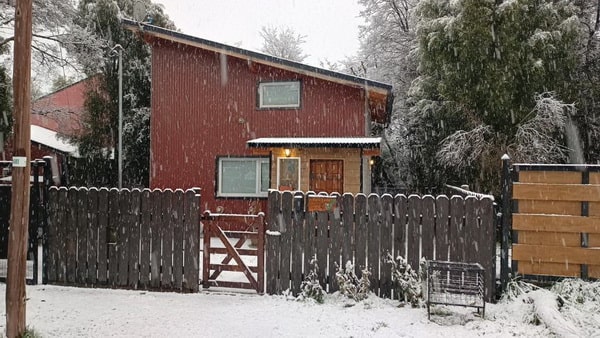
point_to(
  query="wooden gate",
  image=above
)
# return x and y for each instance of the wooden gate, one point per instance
(231, 243)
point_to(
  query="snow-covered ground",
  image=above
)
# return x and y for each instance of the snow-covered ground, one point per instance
(54, 311)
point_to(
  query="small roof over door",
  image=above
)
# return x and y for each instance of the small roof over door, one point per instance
(315, 142)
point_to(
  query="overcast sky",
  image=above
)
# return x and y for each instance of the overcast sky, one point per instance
(330, 26)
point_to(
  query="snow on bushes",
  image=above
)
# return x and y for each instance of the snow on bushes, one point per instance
(311, 288)
(350, 285)
(407, 282)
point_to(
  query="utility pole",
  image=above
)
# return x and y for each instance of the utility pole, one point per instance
(19, 213)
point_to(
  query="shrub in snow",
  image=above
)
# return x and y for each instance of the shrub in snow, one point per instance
(311, 288)
(407, 282)
(350, 285)
(580, 292)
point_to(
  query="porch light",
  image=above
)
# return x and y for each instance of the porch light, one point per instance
(372, 161)
(287, 152)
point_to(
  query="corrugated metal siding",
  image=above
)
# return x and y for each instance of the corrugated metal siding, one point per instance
(203, 114)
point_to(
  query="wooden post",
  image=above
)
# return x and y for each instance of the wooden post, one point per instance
(19, 220)
(506, 220)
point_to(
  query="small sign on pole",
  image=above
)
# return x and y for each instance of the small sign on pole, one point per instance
(19, 161)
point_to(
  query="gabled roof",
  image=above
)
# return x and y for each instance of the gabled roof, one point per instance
(377, 91)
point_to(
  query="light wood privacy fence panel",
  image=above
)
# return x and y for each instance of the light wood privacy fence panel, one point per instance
(556, 221)
(135, 239)
(366, 229)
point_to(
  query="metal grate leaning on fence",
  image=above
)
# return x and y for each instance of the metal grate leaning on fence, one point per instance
(365, 229)
(140, 239)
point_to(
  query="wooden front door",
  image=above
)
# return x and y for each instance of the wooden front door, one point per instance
(327, 176)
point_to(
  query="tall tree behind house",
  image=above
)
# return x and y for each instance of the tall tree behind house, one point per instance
(487, 71)
(100, 136)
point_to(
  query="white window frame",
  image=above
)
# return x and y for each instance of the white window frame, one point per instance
(259, 161)
(263, 85)
(279, 159)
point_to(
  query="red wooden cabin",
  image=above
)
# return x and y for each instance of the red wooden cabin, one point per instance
(237, 123)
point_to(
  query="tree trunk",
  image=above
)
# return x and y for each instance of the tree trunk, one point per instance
(19, 220)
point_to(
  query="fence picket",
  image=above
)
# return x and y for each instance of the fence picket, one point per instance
(112, 233)
(413, 255)
(442, 228)
(102, 235)
(272, 246)
(487, 244)
(347, 237)
(133, 239)
(155, 229)
(427, 227)
(285, 239)
(322, 246)
(92, 230)
(123, 229)
(82, 234)
(400, 221)
(166, 280)
(52, 238)
(191, 276)
(373, 240)
(457, 235)
(471, 230)
(177, 220)
(335, 240)
(71, 235)
(360, 226)
(297, 242)
(145, 237)
(61, 233)
(387, 203)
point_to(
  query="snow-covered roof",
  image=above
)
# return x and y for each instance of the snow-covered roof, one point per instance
(315, 142)
(51, 139)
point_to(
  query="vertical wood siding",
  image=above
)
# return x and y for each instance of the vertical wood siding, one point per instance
(201, 110)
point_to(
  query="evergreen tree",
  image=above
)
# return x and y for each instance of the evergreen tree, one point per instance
(100, 136)
(485, 63)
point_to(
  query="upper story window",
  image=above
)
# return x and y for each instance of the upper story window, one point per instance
(279, 94)
(243, 177)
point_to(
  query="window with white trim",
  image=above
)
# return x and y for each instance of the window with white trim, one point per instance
(288, 173)
(279, 94)
(243, 177)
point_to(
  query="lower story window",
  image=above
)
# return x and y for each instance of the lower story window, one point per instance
(243, 176)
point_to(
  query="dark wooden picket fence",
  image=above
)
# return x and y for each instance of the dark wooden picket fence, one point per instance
(139, 239)
(366, 229)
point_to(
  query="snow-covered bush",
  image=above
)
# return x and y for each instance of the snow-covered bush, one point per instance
(586, 294)
(407, 282)
(350, 285)
(311, 288)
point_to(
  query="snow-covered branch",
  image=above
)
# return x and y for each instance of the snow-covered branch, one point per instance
(538, 140)
(463, 147)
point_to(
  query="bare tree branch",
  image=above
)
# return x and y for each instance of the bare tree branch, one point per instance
(6, 40)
